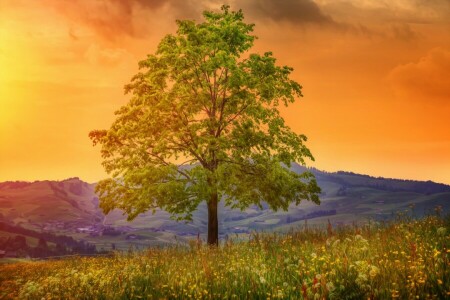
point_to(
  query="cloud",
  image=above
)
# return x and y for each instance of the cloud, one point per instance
(432, 10)
(398, 11)
(403, 32)
(293, 11)
(113, 19)
(427, 79)
(301, 13)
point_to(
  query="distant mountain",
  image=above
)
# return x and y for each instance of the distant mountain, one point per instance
(34, 204)
(70, 207)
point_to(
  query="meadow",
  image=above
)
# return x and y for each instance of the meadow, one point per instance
(405, 259)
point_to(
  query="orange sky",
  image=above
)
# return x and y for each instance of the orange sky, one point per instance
(375, 76)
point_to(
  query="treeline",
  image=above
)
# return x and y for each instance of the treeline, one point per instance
(63, 245)
(350, 179)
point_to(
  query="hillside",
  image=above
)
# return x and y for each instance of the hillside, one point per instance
(49, 205)
(70, 207)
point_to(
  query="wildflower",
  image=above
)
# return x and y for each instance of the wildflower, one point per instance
(330, 286)
(436, 253)
(373, 271)
(361, 279)
(262, 279)
(395, 294)
(441, 231)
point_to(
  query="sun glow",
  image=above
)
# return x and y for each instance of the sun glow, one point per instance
(15, 58)
(7, 73)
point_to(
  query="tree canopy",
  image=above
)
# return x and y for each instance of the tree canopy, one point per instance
(203, 124)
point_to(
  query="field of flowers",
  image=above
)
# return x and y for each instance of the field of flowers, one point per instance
(406, 259)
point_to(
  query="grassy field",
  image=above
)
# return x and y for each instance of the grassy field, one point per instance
(406, 259)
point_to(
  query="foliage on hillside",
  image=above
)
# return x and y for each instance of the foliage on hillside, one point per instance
(16, 243)
(404, 259)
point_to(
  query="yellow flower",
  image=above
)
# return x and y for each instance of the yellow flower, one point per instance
(436, 253)
(373, 271)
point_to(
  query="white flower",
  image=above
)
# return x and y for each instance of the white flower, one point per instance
(330, 286)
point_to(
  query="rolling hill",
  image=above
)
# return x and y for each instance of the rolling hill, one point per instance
(70, 207)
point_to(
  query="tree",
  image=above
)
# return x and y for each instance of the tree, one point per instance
(203, 124)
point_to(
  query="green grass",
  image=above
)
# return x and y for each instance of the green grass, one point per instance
(407, 259)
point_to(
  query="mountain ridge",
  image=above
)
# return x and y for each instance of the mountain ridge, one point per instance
(71, 207)
(311, 169)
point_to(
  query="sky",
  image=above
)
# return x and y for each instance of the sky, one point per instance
(375, 77)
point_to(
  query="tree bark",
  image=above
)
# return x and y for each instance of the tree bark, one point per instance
(213, 222)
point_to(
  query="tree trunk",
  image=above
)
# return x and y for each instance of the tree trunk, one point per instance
(213, 222)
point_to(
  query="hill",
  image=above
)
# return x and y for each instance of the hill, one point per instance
(70, 207)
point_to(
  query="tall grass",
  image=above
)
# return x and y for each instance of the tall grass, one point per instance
(407, 259)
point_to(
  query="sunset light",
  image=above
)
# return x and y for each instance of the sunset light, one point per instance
(375, 81)
(234, 149)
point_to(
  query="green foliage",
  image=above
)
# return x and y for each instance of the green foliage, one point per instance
(203, 121)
